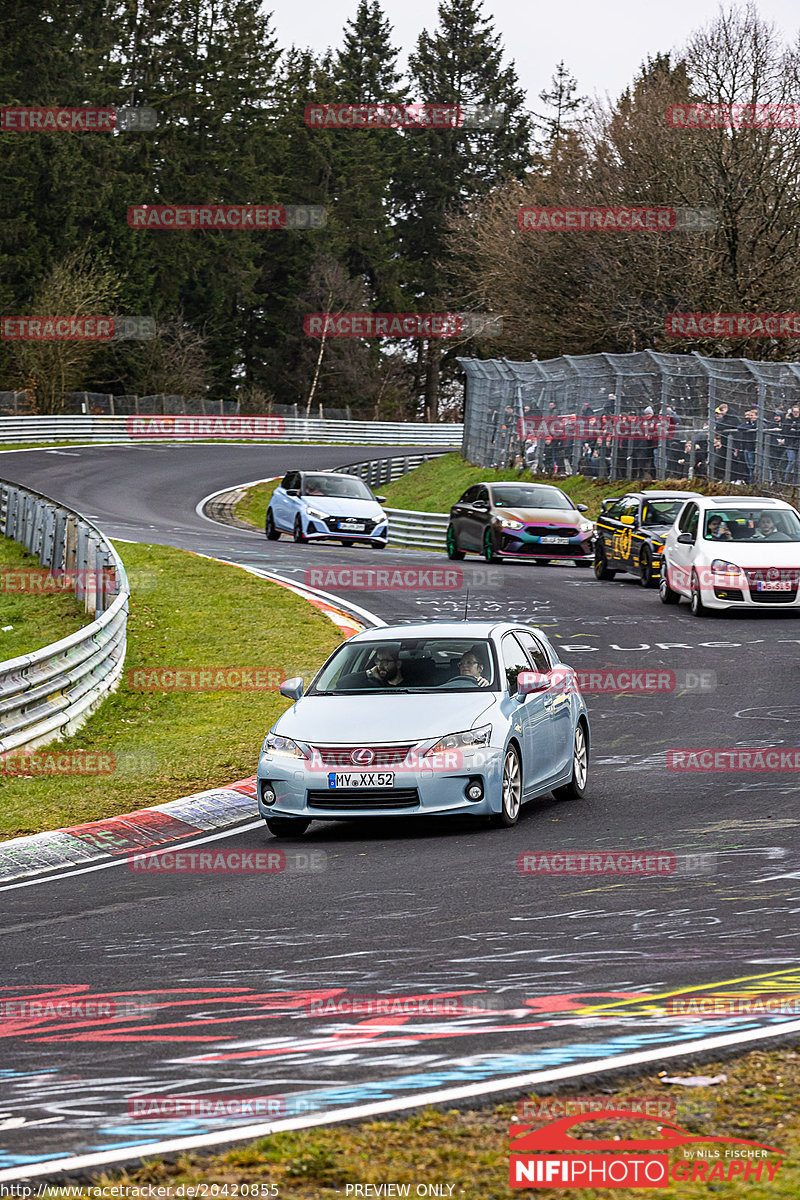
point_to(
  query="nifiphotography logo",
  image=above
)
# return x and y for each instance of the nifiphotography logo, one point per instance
(636, 1163)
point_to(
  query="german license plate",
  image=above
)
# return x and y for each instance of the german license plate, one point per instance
(554, 541)
(355, 526)
(361, 779)
(775, 585)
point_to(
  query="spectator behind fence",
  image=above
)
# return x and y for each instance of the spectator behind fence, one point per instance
(745, 442)
(791, 442)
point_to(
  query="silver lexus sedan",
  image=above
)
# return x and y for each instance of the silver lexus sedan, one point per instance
(426, 720)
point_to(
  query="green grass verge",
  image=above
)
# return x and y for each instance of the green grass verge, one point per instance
(186, 611)
(253, 505)
(469, 1150)
(37, 618)
(437, 485)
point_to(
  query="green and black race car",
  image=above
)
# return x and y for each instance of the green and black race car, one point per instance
(631, 531)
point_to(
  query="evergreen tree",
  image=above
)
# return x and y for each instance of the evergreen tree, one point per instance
(444, 170)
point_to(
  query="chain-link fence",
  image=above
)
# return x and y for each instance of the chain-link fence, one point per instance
(103, 404)
(636, 416)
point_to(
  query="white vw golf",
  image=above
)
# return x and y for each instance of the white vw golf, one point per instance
(732, 552)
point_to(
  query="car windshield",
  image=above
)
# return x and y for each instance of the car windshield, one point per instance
(428, 664)
(515, 496)
(336, 485)
(661, 512)
(752, 525)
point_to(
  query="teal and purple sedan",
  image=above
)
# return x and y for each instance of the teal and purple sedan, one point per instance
(534, 521)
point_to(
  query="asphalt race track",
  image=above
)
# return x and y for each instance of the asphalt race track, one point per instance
(221, 972)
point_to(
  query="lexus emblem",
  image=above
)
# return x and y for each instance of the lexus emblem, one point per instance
(363, 757)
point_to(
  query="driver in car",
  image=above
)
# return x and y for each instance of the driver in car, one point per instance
(472, 666)
(767, 530)
(717, 529)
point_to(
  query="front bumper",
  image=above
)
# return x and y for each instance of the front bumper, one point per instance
(519, 544)
(421, 792)
(318, 529)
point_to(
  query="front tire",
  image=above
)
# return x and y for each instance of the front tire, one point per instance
(646, 568)
(489, 551)
(298, 534)
(286, 827)
(451, 542)
(576, 788)
(272, 533)
(665, 593)
(601, 567)
(698, 609)
(512, 790)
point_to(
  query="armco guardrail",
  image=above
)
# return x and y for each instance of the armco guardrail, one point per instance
(49, 693)
(417, 530)
(377, 471)
(199, 428)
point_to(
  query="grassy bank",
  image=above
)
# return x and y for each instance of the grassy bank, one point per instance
(37, 619)
(437, 485)
(469, 1150)
(186, 612)
(253, 505)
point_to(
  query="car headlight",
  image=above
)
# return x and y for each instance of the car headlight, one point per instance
(512, 524)
(283, 746)
(586, 527)
(470, 739)
(723, 567)
(314, 512)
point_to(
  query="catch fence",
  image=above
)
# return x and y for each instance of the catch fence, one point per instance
(643, 415)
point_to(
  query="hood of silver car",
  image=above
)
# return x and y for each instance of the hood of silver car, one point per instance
(381, 718)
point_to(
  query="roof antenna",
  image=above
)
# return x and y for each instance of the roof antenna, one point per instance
(466, 605)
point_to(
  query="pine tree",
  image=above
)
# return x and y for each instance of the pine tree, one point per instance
(566, 108)
(444, 170)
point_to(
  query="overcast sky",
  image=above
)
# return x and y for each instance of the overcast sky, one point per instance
(602, 42)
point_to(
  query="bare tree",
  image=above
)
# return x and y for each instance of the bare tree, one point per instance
(78, 286)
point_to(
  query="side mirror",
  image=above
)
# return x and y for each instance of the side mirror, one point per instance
(293, 491)
(583, 508)
(532, 681)
(626, 520)
(610, 500)
(292, 689)
(481, 505)
(685, 539)
(381, 499)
